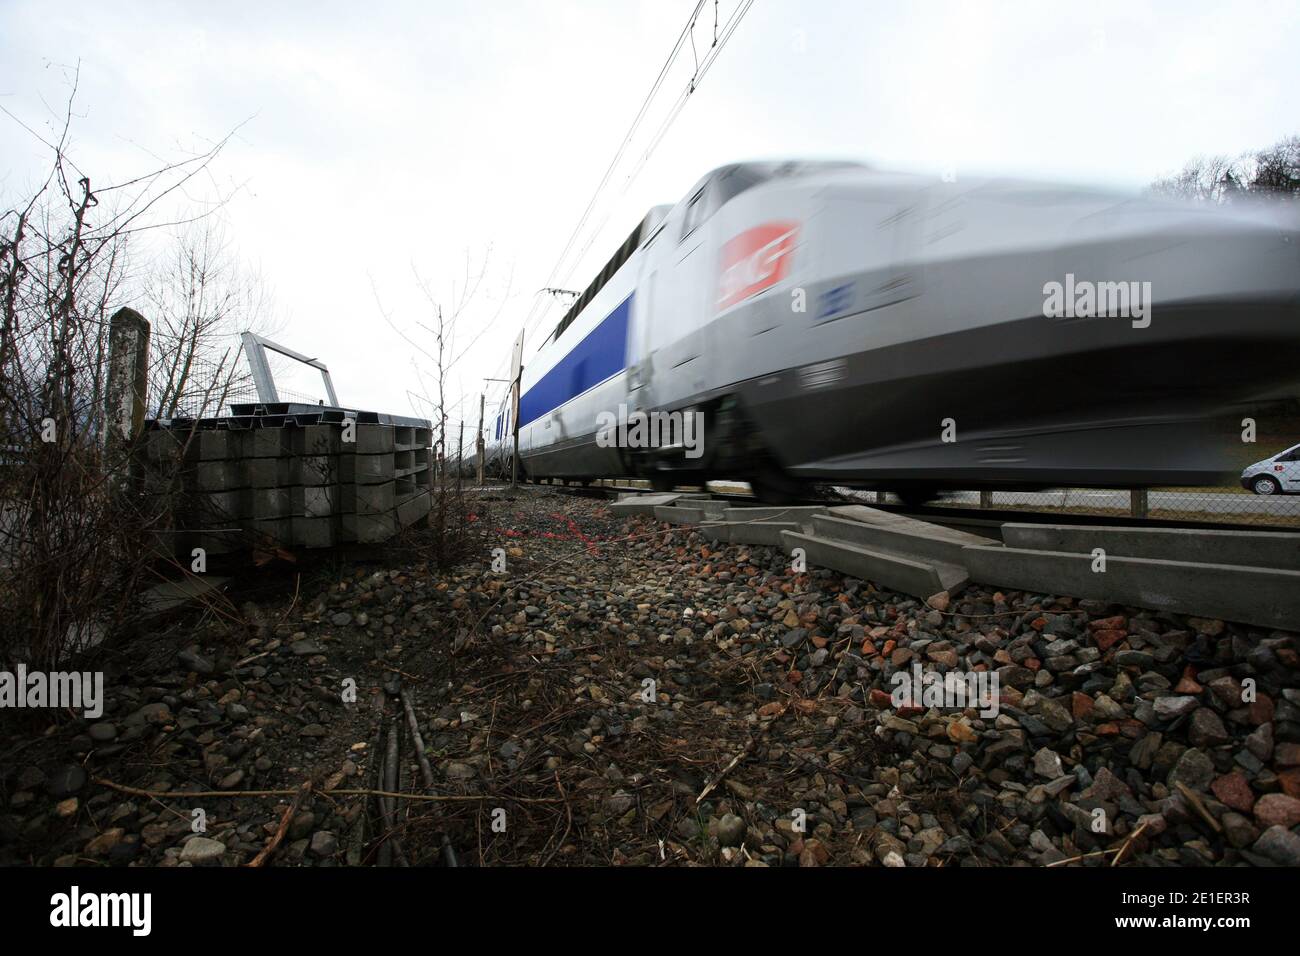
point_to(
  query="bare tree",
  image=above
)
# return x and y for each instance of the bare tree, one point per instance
(73, 546)
(1210, 179)
(1273, 173)
(438, 345)
(1277, 170)
(199, 297)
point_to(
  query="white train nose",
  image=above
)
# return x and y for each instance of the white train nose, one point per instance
(834, 316)
(1189, 254)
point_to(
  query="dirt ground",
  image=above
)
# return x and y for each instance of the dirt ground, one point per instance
(623, 692)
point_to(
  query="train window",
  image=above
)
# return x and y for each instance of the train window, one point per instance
(736, 180)
(696, 213)
(654, 235)
(621, 255)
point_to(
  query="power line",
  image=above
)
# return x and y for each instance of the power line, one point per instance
(636, 122)
(702, 68)
(728, 29)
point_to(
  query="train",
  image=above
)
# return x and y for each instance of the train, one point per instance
(831, 323)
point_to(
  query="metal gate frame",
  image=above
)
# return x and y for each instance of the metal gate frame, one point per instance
(255, 347)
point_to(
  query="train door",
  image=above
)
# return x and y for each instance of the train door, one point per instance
(680, 292)
(640, 373)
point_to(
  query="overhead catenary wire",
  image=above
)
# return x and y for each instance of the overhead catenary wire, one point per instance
(538, 310)
(534, 314)
(727, 30)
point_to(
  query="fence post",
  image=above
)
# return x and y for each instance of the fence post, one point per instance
(986, 499)
(128, 382)
(460, 457)
(479, 443)
(1138, 502)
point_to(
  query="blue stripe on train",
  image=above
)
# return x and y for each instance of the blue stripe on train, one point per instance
(598, 356)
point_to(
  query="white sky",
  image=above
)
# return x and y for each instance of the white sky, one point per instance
(389, 137)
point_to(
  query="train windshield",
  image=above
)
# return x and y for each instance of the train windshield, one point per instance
(734, 180)
(731, 181)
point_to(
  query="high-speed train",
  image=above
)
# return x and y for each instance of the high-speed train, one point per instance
(830, 323)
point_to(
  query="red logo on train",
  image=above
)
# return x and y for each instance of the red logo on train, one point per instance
(755, 260)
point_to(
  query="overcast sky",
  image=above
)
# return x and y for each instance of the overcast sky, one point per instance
(387, 138)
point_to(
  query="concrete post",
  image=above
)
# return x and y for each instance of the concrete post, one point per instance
(478, 444)
(460, 456)
(1138, 502)
(128, 380)
(986, 499)
(516, 387)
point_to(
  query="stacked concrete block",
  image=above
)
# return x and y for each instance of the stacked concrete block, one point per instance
(196, 493)
(384, 488)
(245, 482)
(314, 482)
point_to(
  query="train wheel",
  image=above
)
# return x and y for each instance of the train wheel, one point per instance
(915, 497)
(662, 483)
(776, 488)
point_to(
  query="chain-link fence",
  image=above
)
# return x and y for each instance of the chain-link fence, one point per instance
(1217, 505)
(204, 406)
(1202, 505)
(211, 388)
(1257, 446)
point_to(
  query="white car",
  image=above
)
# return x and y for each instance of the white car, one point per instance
(1274, 476)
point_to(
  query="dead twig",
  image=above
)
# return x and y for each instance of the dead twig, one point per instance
(568, 824)
(283, 828)
(717, 779)
(363, 792)
(745, 752)
(1117, 850)
(388, 805)
(1127, 843)
(426, 771)
(1198, 806)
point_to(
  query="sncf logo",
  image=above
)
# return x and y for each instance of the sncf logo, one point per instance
(755, 260)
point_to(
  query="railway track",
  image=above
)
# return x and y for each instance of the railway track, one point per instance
(983, 518)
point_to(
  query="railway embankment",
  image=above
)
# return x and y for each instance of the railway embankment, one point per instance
(603, 688)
